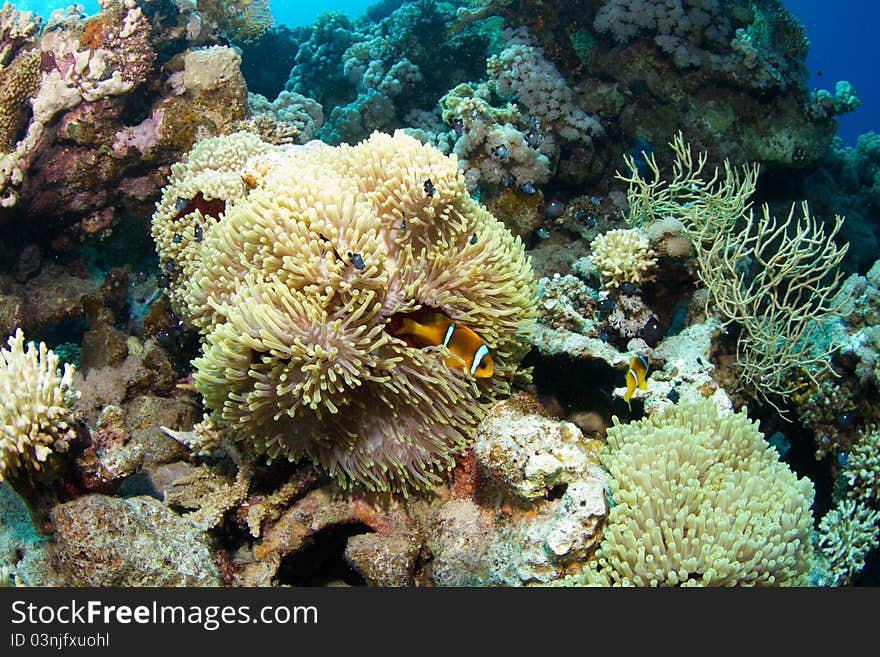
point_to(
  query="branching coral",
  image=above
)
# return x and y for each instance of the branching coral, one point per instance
(296, 287)
(701, 499)
(721, 201)
(782, 306)
(36, 406)
(862, 469)
(846, 534)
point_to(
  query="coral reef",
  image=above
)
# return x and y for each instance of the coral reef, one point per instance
(240, 20)
(777, 278)
(374, 74)
(97, 114)
(298, 116)
(483, 533)
(490, 147)
(522, 72)
(337, 366)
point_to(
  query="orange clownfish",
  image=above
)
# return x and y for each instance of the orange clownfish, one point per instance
(468, 349)
(637, 377)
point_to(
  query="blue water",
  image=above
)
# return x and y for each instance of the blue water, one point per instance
(843, 44)
(289, 13)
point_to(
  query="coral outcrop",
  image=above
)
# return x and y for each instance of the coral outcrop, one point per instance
(847, 533)
(623, 255)
(91, 113)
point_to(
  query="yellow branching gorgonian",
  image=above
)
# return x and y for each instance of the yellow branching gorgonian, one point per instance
(298, 282)
(701, 499)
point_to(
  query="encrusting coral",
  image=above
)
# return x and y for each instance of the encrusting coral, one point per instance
(701, 499)
(36, 406)
(298, 287)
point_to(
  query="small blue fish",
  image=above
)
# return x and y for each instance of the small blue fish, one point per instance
(357, 261)
(181, 204)
(502, 151)
(534, 138)
(430, 190)
(528, 187)
(606, 305)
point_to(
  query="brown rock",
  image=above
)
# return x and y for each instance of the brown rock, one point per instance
(103, 346)
(107, 541)
(383, 560)
(11, 313)
(143, 417)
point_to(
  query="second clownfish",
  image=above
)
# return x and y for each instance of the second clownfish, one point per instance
(636, 377)
(468, 349)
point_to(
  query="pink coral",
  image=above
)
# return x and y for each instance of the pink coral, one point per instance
(142, 137)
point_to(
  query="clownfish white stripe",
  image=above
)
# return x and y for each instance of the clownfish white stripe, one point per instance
(644, 361)
(635, 376)
(449, 332)
(482, 350)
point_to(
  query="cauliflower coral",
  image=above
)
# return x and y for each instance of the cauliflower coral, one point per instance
(623, 256)
(297, 277)
(36, 406)
(701, 499)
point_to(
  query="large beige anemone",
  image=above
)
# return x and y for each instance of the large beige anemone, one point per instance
(294, 288)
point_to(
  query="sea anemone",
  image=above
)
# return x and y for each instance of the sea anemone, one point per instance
(298, 287)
